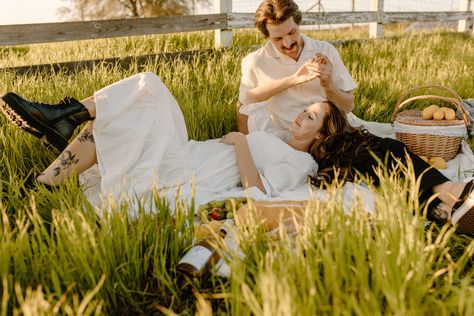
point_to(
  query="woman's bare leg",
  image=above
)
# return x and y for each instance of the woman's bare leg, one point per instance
(78, 156)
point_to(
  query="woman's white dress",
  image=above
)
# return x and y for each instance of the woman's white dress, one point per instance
(142, 142)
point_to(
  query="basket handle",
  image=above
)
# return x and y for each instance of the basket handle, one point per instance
(455, 100)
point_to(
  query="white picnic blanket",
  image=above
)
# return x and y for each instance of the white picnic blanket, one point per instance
(460, 168)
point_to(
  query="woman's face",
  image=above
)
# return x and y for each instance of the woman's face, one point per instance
(308, 123)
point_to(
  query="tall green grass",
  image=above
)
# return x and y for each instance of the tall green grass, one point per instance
(57, 256)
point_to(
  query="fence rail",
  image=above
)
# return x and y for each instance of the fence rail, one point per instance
(246, 20)
(73, 31)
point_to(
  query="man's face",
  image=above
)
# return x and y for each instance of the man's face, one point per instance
(286, 37)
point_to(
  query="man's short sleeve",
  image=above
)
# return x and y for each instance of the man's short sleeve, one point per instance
(342, 79)
(249, 78)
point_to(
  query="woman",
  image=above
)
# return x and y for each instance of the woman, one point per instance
(342, 152)
(137, 135)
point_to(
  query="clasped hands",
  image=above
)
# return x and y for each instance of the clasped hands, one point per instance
(317, 67)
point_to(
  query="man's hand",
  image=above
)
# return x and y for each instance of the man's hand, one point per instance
(304, 73)
(322, 68)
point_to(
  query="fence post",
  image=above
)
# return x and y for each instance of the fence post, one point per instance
(376, 28)
(463, 25)
(223, 37)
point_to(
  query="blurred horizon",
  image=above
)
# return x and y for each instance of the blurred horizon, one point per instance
(35, 11)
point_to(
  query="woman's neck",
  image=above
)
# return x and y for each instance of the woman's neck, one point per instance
(298, 144)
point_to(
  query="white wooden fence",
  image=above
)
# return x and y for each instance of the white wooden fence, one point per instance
(223, 22)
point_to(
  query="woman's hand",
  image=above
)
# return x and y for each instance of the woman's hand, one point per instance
(232, 138)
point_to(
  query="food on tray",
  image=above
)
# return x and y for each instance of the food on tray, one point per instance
(222, 209)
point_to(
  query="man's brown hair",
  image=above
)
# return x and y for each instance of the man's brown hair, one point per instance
(276, 11)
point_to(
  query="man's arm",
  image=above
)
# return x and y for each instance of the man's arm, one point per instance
(344, 100)
(242, 121)
(266, 91)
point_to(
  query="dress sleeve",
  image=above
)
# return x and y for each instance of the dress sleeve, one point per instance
(289, 174)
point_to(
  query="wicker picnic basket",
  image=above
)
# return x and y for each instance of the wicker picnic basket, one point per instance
(430, 138)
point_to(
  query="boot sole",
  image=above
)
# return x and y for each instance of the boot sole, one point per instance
(23, 119)
(466, 223)
(464, 215)
(18, 121)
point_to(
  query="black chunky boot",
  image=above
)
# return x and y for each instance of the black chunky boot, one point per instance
(55, 124)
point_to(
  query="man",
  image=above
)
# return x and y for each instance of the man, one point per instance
(290, 72)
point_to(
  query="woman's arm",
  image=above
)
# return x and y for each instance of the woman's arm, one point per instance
(249, 175)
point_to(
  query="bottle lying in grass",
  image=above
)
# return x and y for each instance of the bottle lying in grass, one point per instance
(220, 210)
(200, 259)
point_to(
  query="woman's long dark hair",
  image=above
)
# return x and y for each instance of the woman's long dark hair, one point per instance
(337, 145)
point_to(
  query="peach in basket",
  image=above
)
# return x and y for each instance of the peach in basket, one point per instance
(428, 112)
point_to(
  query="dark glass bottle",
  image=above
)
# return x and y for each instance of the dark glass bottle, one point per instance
(199, 260)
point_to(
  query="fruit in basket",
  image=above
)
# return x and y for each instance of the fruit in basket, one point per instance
(449, 114)
(438, 162)
(438, 115)
(428, 112)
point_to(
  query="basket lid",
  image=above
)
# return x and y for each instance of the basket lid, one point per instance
(415, 117)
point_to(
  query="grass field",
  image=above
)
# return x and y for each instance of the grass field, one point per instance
(58, 257)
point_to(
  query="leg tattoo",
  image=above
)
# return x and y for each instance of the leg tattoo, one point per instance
(64, 161)
(86, 136)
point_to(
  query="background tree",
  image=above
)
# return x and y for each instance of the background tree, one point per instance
(109, 9)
